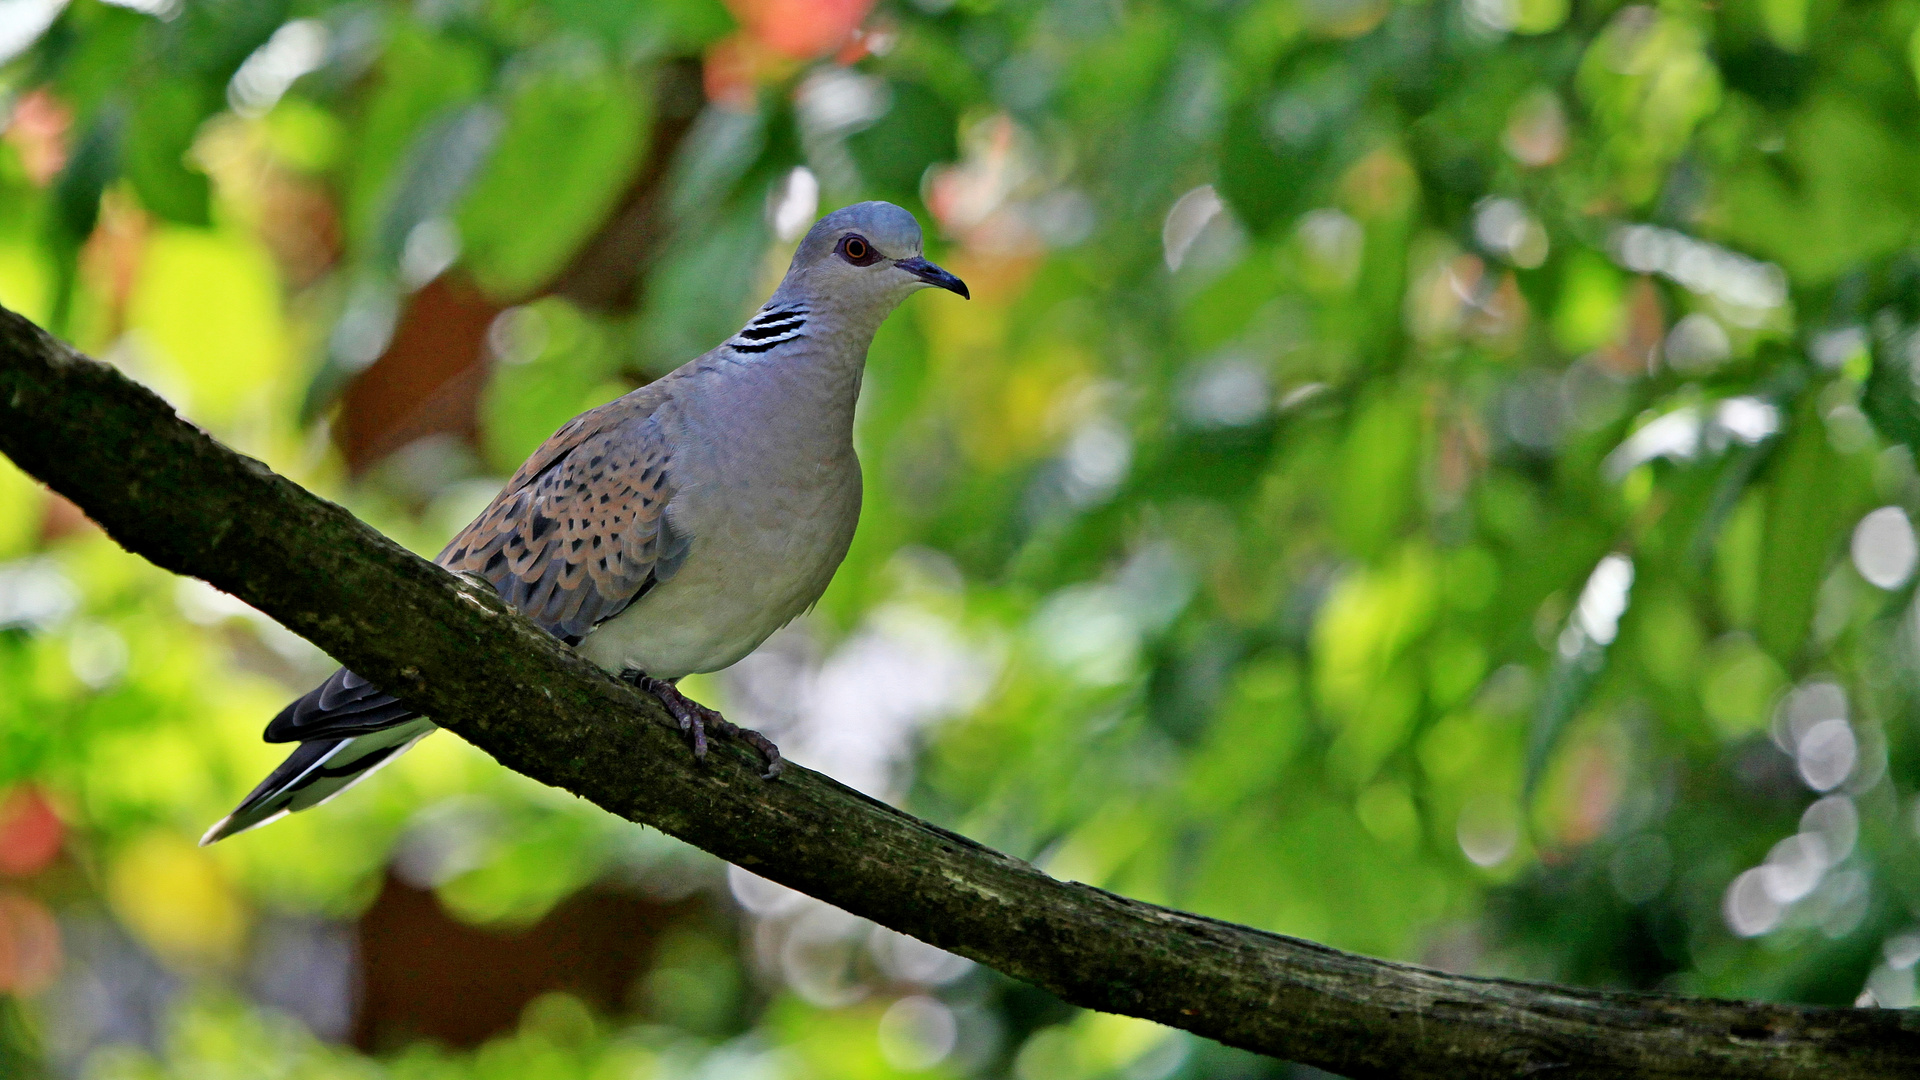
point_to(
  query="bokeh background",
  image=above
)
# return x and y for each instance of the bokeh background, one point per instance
(1435, 478)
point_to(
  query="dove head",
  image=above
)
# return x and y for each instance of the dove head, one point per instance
(865, 256)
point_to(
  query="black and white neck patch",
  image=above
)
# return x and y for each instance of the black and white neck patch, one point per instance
(771, 327)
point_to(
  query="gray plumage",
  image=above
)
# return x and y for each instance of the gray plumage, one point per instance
(669, 531)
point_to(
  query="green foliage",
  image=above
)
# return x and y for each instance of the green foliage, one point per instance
(571, 141)
(159, 137)
(1414, 476)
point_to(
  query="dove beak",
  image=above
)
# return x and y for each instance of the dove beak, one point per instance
(934, 276)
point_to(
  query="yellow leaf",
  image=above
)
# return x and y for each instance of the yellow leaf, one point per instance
(176, 899)
(206, 312)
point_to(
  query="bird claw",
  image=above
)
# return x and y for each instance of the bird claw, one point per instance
(696, 720)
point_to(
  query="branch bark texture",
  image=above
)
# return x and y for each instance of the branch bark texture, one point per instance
(165, 489)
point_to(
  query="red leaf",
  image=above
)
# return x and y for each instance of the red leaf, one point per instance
(30, 832)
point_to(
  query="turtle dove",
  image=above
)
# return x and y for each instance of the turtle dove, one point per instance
(669, 531)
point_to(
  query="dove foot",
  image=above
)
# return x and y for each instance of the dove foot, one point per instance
(696, 720)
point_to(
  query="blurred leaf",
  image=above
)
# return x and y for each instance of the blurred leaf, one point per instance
(94, 47)
(1590, 309)
(1377, 467)
(160, 132)
(1813, 497)
(719, 150)
(701, 292)
(1736, 560)
(1369, 621)
(1570, 681)
(918, 130)
(21, 498)
(1891, 397)
(571, 143)
(541, 860)
(420, 75)
(304, 136)
(1256, 864)
(211, 38)
(1649, 82)
(25, 284)
(76, 203)
(1842, 183)
(1738, 685)
(449, 152)
(572, 364)
(1260, 727)
(670, 25)
(1670, 638)
(174, 895)
(206, 305)
(1266, 188)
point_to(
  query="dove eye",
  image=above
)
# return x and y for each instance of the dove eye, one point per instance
(857, 251)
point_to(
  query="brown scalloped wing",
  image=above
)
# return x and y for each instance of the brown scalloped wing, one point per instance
(581, 529)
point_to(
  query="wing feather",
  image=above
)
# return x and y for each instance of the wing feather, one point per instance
(579, 541)
(576, 535)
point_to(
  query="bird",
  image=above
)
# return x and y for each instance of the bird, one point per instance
(671, 530)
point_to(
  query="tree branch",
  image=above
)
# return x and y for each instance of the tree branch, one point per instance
(166, 490)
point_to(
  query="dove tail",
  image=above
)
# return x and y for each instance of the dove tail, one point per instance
(317, 771)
